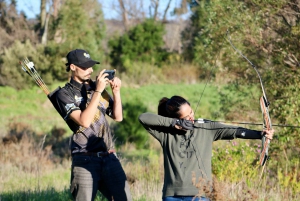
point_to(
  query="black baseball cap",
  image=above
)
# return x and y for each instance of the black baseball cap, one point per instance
(80, 58)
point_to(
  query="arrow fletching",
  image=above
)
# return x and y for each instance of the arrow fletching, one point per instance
(28, 67)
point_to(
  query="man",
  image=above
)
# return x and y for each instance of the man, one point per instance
(83, 104)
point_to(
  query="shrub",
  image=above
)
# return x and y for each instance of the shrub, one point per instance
(130, 130)
(11, 72)
(142, 43)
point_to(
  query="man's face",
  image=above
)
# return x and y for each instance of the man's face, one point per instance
(81, 74)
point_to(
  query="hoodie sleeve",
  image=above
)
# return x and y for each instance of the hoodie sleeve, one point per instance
(156, 125)
(220, 131)
(229, 132)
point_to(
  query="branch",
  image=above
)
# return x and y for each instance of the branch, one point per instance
(166, 11)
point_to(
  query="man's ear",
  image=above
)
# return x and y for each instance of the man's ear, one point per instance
(72, 67)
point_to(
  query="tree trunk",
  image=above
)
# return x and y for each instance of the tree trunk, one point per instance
(45, 32)
(155, 4)
(55, 8)
(124, 14)
(43, 13)
(166, 11)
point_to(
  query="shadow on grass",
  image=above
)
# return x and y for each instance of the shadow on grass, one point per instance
(47, 195)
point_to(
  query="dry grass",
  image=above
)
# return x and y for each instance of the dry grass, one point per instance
(181, 73)
(258, 190)
(28, 165)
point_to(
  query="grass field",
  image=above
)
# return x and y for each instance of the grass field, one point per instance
(39, 178)
(33, 107)
(30, 170)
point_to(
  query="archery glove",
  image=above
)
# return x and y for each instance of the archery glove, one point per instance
(183, 123)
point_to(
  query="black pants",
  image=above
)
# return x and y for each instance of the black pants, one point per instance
(91, 173)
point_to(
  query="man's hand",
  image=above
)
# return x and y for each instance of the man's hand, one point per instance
(101, 81)
(115, 84)
(183, 124)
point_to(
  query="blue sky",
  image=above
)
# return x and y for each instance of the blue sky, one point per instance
(31, 7)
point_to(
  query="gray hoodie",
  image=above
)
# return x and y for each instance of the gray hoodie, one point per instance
(187, 154)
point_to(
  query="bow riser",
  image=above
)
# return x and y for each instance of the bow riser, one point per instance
(268, 126)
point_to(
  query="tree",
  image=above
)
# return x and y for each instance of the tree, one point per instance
(47, 17)
(133, 12)
(79, 24)
(13, 26)
(16, 41)
(267, 33)
(44, 21)
(43, 13)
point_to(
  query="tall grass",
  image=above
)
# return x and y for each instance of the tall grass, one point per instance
(39, 178)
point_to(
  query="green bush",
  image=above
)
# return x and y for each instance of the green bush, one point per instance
(235, 160)
(140, 73)
(129, 130)
(11, 72)
(142, 43)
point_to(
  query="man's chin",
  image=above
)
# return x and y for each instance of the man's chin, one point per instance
(87, 80)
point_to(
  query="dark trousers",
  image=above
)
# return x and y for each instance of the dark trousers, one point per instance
(91, 173)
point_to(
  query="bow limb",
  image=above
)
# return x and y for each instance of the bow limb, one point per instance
(264, 104)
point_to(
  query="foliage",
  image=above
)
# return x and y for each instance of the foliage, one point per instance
(289, 179)
(283, 43)
(255, 26)
(142, 43)
(11, 71)
(242, 163)
(267, 33)
(129, 130)
(141, 73)
(241, 160)
(206, 45)
(69, 31)
(72, 29)
(14, 26)
(242, 98)
(73, 26)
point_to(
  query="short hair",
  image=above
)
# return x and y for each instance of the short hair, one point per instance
(68, 67)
